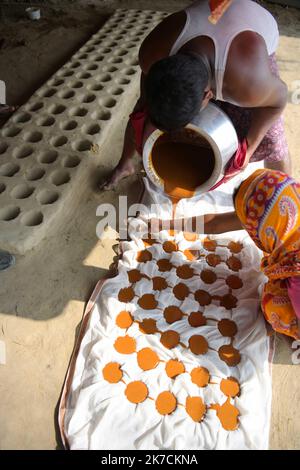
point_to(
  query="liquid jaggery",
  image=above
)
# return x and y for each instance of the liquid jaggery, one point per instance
(184, 271)
(202, 297)
(170, 339)
(196, 319)
(195, 408)
(228, 415)
(159, 283)
(174, 368)
(172, 314)
(136, 392)
(234, 282)
(112, 372)
(181, 291)
(144, 256)
(170, 246)
(126, 294)
(229, 355)
(147, 359)
(234, 263)
(165, 403)
(230, 387)
(200, 376)
(198, 344)
(227, 327)
(147, 302)
(213, 260)
(208, 276)
(134, 275)
(164, 265)
(148, 326)
(124, 319)
(125, 345)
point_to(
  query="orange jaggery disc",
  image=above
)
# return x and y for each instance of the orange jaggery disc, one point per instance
(170, 246)
(147, 359)
(192, 255)
(125, 345)
(126, 294)
(227, 414)
(136, 392)
(112, 372)
(174, 368)
(165, 403)
(200, 376)
(229, 355)
(208, 276)
(134, 275)
(195, 408)
(124, 319)
(213, 260)
(169, 339)
(234, 263)
(148, 326)
(147, 302)
(144, 256)
(230, 387)
(228, 301)
(159, 283)
(184, 271)
(196, 319)
(234, 282)
(235, 247)
(198, 344)
(172, 314)
(227, 327)
(209, 245)
(202, 297)
(190, 236)
(181, 291)
(164, 265)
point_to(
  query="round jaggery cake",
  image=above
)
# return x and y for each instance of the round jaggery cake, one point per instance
(230, 387)
(136, 392)
(234, 282)
(213, 260)
(147, 302)
(165, 403)
(202, 297)
(149, 241)
(235, 247)
(164, 265)
(208, 276)
(200, 376)
(234, 263)
(144, 256)
(148, 326)
(195, 408)
(228, 415)
(209, 245)
(126, 294)
(229, 355)
(181, 291)
(112, 372)
(147, 359)
(184, 271)
(198, 344)
(134, 275)
(174, 368)
(172, 314)
(170, 246)
(125, 345)
(159, 283)
(228, 301)
(196, 319)
(170, 339)
(124, 319)
(227, 327)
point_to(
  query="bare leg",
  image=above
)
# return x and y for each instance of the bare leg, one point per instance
(283, 165)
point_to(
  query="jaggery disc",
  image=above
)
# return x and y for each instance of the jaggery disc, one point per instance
(195, 408)
(184, 271)
(213, 260)
(170, 339)
(134, 275)
(112, 372)
(234, 263)
(147, 302)
(124, 319)
(148, 326)
(227, 327)
(166, 403)
(228, 301)
(230, 355)
(174, 368)
(235, 247)
(149, 241)
(164, 265)
(209, 245)
(147, 359)
(181, 291)
(208, 276)
(198, 344)
(126, 294)
(125, 345)
(159, 283)
(228, 415)
(230, 387)
(196, 319)
(172, 314)
(202, 297)
(136, 392)
(234, 282)
(170, 246)
(144, 256)
(200, 376)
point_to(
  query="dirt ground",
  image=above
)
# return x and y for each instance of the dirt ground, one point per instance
(42, 298)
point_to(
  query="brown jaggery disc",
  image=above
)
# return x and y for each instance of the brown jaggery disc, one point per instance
(126, 294)
(200, 376)
(172, 314)
(229, 355)
(195, 408)
(148, 302)
(227, 327)
(184, 271)
(202, 297)
(228, 301)
(136, 392)
(235, 247)
(159, 283)
(234, 263)
(125, 345)
(227, 414)
(164, 265)
(134, 275)
(213, 260)
(170, 339)
(174, 368)
(208, 276)
(209, 245)
(144, 256)
(148, 326)
(196, 319)
(192, 255)
(112, 372)
(234, 282)
(170, 246)
(149, 241)
(124, 319)
(230, 387)
(198, 344)
(147, 359)
(166, 403)
(181, 291)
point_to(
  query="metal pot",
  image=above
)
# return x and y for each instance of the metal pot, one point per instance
(216, 130)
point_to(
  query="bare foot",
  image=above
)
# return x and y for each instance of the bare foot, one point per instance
(119, 173)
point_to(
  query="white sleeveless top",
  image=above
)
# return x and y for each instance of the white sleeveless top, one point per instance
(242, 15)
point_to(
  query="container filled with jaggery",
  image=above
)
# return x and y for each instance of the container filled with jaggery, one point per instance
(190, 161)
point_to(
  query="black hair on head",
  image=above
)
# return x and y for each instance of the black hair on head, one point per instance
(175, 89)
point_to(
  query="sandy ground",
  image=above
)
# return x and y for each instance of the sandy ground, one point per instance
(42, 298)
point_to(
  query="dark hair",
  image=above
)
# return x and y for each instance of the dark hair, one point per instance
(175, 89)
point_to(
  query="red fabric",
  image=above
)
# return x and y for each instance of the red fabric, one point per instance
(137, 120)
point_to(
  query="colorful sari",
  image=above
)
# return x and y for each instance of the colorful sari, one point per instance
(268, 205)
